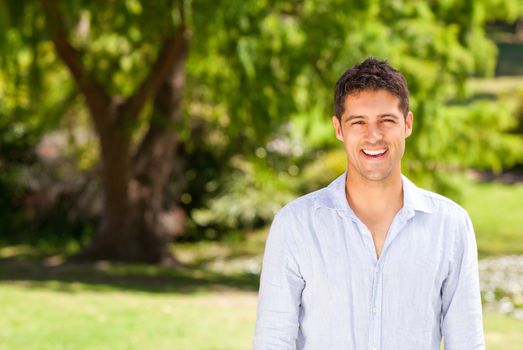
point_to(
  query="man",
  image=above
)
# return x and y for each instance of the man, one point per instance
(371, 261)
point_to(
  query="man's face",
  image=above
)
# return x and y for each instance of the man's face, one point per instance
(373, 130)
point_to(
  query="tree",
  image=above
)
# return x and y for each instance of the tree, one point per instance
(252, 66)
(130, 227)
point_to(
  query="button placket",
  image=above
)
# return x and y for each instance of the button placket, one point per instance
(375, 333)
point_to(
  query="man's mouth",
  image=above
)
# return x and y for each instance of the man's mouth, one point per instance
(374, 153)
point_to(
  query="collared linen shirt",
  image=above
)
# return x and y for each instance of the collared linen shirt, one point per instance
(323, 287)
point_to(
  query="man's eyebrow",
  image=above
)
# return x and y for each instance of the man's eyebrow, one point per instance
(351, 117)
(384, 115)
(388, 115)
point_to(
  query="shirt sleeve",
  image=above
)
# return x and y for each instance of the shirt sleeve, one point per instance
(461, 322)
(281, 285)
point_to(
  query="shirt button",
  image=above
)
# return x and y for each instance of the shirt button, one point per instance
(375, 310)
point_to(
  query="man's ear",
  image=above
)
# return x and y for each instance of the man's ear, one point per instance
(337, 128)
(409, 120)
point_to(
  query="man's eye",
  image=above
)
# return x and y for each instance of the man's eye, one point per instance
(358, 122)
(389, 120)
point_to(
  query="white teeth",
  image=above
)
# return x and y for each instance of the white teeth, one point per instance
(374, 152)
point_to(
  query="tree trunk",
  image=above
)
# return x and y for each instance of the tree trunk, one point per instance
(138, 224)
(113, 241)
(133, 226)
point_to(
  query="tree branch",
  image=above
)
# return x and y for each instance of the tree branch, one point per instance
(173, 48)
(93, 91)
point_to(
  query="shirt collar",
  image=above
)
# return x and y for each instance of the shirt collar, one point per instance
(334, 197)
(414, 198)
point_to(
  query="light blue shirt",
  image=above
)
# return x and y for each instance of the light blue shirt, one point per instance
(322, 286)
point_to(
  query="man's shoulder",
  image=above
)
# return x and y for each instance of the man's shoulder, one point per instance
(441, 204)
(305, 203)
(452, 219)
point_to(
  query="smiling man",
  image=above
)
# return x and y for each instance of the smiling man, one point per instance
(371, 261)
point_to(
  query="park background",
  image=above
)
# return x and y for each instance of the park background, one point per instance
(146, 145)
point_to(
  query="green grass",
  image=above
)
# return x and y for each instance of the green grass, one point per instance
(208, 304)
(48, 305)
(496, 211)
(503, 332)
(41, 318)
(46, 318)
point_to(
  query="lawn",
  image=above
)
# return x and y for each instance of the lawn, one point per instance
(208, 304)
(502, 332)
(123, 306)
(80, 315)
(496, 211)
(59, 318)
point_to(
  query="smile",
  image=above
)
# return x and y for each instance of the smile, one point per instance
(374, 152)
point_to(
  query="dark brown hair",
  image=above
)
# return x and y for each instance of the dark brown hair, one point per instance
(374, 75)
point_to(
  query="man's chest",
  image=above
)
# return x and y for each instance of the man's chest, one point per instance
(347, 287)
(336, 250)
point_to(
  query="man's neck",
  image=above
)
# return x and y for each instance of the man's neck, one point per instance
(374, 198)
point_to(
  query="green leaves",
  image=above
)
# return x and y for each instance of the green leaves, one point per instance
(261, 70)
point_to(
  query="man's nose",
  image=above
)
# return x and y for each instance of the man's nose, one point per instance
(374, 132)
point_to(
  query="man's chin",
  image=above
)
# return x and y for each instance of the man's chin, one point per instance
(377, 176)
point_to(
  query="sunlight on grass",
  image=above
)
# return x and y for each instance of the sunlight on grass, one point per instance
(226, 256)
(124, 320)
(503, 332)
(210, 303)
(495, 210)
(137, 320)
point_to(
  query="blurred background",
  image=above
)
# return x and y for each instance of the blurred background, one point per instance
(145, 147)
